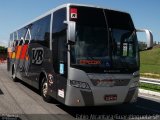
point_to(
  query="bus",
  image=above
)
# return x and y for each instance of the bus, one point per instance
(3, 54)
(80, 55)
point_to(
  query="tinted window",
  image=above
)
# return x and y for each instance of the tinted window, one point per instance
(59, 40)
(21, 33)
(11, 36)
(97, 51)
(28, 35)
(11, 39)
(40, 31)
(90, 51)
(119, 20)
(15, 36)
(58, 20)
(59, 34)
(87, 16)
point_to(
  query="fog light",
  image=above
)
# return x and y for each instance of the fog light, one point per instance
(50, 79)
(78, 101)
(136, 74)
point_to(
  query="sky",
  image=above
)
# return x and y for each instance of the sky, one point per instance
(15, 13)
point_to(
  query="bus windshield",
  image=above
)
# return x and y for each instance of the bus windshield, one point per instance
(103, 43)
(124, 49)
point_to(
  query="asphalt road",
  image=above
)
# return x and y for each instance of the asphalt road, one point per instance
(19, 101)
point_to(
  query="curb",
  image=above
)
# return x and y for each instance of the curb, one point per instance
(152, 79)
(149, 92)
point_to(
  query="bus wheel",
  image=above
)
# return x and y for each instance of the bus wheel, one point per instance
(44, 90)
(14, 78)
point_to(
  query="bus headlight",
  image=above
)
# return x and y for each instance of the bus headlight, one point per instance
(79, 84)
(136, 74)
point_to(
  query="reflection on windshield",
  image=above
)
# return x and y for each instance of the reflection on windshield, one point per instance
(90, 47)
(105, 41)
(124, 49)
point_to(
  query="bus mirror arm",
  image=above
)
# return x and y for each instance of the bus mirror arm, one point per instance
(71, 31)
(149, 37)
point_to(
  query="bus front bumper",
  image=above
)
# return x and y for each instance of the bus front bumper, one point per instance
(98, 96)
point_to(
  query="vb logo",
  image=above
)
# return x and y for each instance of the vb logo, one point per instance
(37, 56)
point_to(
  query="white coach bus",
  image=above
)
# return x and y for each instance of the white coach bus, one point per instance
(80, 55)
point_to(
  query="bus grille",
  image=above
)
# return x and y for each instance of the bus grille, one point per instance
(110, 82)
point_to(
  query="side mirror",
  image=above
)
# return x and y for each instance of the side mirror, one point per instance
(71, 31)
(149, 37)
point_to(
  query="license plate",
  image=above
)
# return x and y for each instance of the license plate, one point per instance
(110, 97)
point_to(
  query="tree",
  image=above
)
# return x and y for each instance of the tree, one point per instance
(3, 53)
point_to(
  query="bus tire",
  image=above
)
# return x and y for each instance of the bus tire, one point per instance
(44, 90)
(14, 78)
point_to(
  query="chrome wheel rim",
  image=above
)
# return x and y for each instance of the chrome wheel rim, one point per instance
(45, 89)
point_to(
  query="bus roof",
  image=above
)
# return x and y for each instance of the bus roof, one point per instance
(62, 6)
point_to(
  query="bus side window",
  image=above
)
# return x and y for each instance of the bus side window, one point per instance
(16, 35)
(40, 31)
(27, 37)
